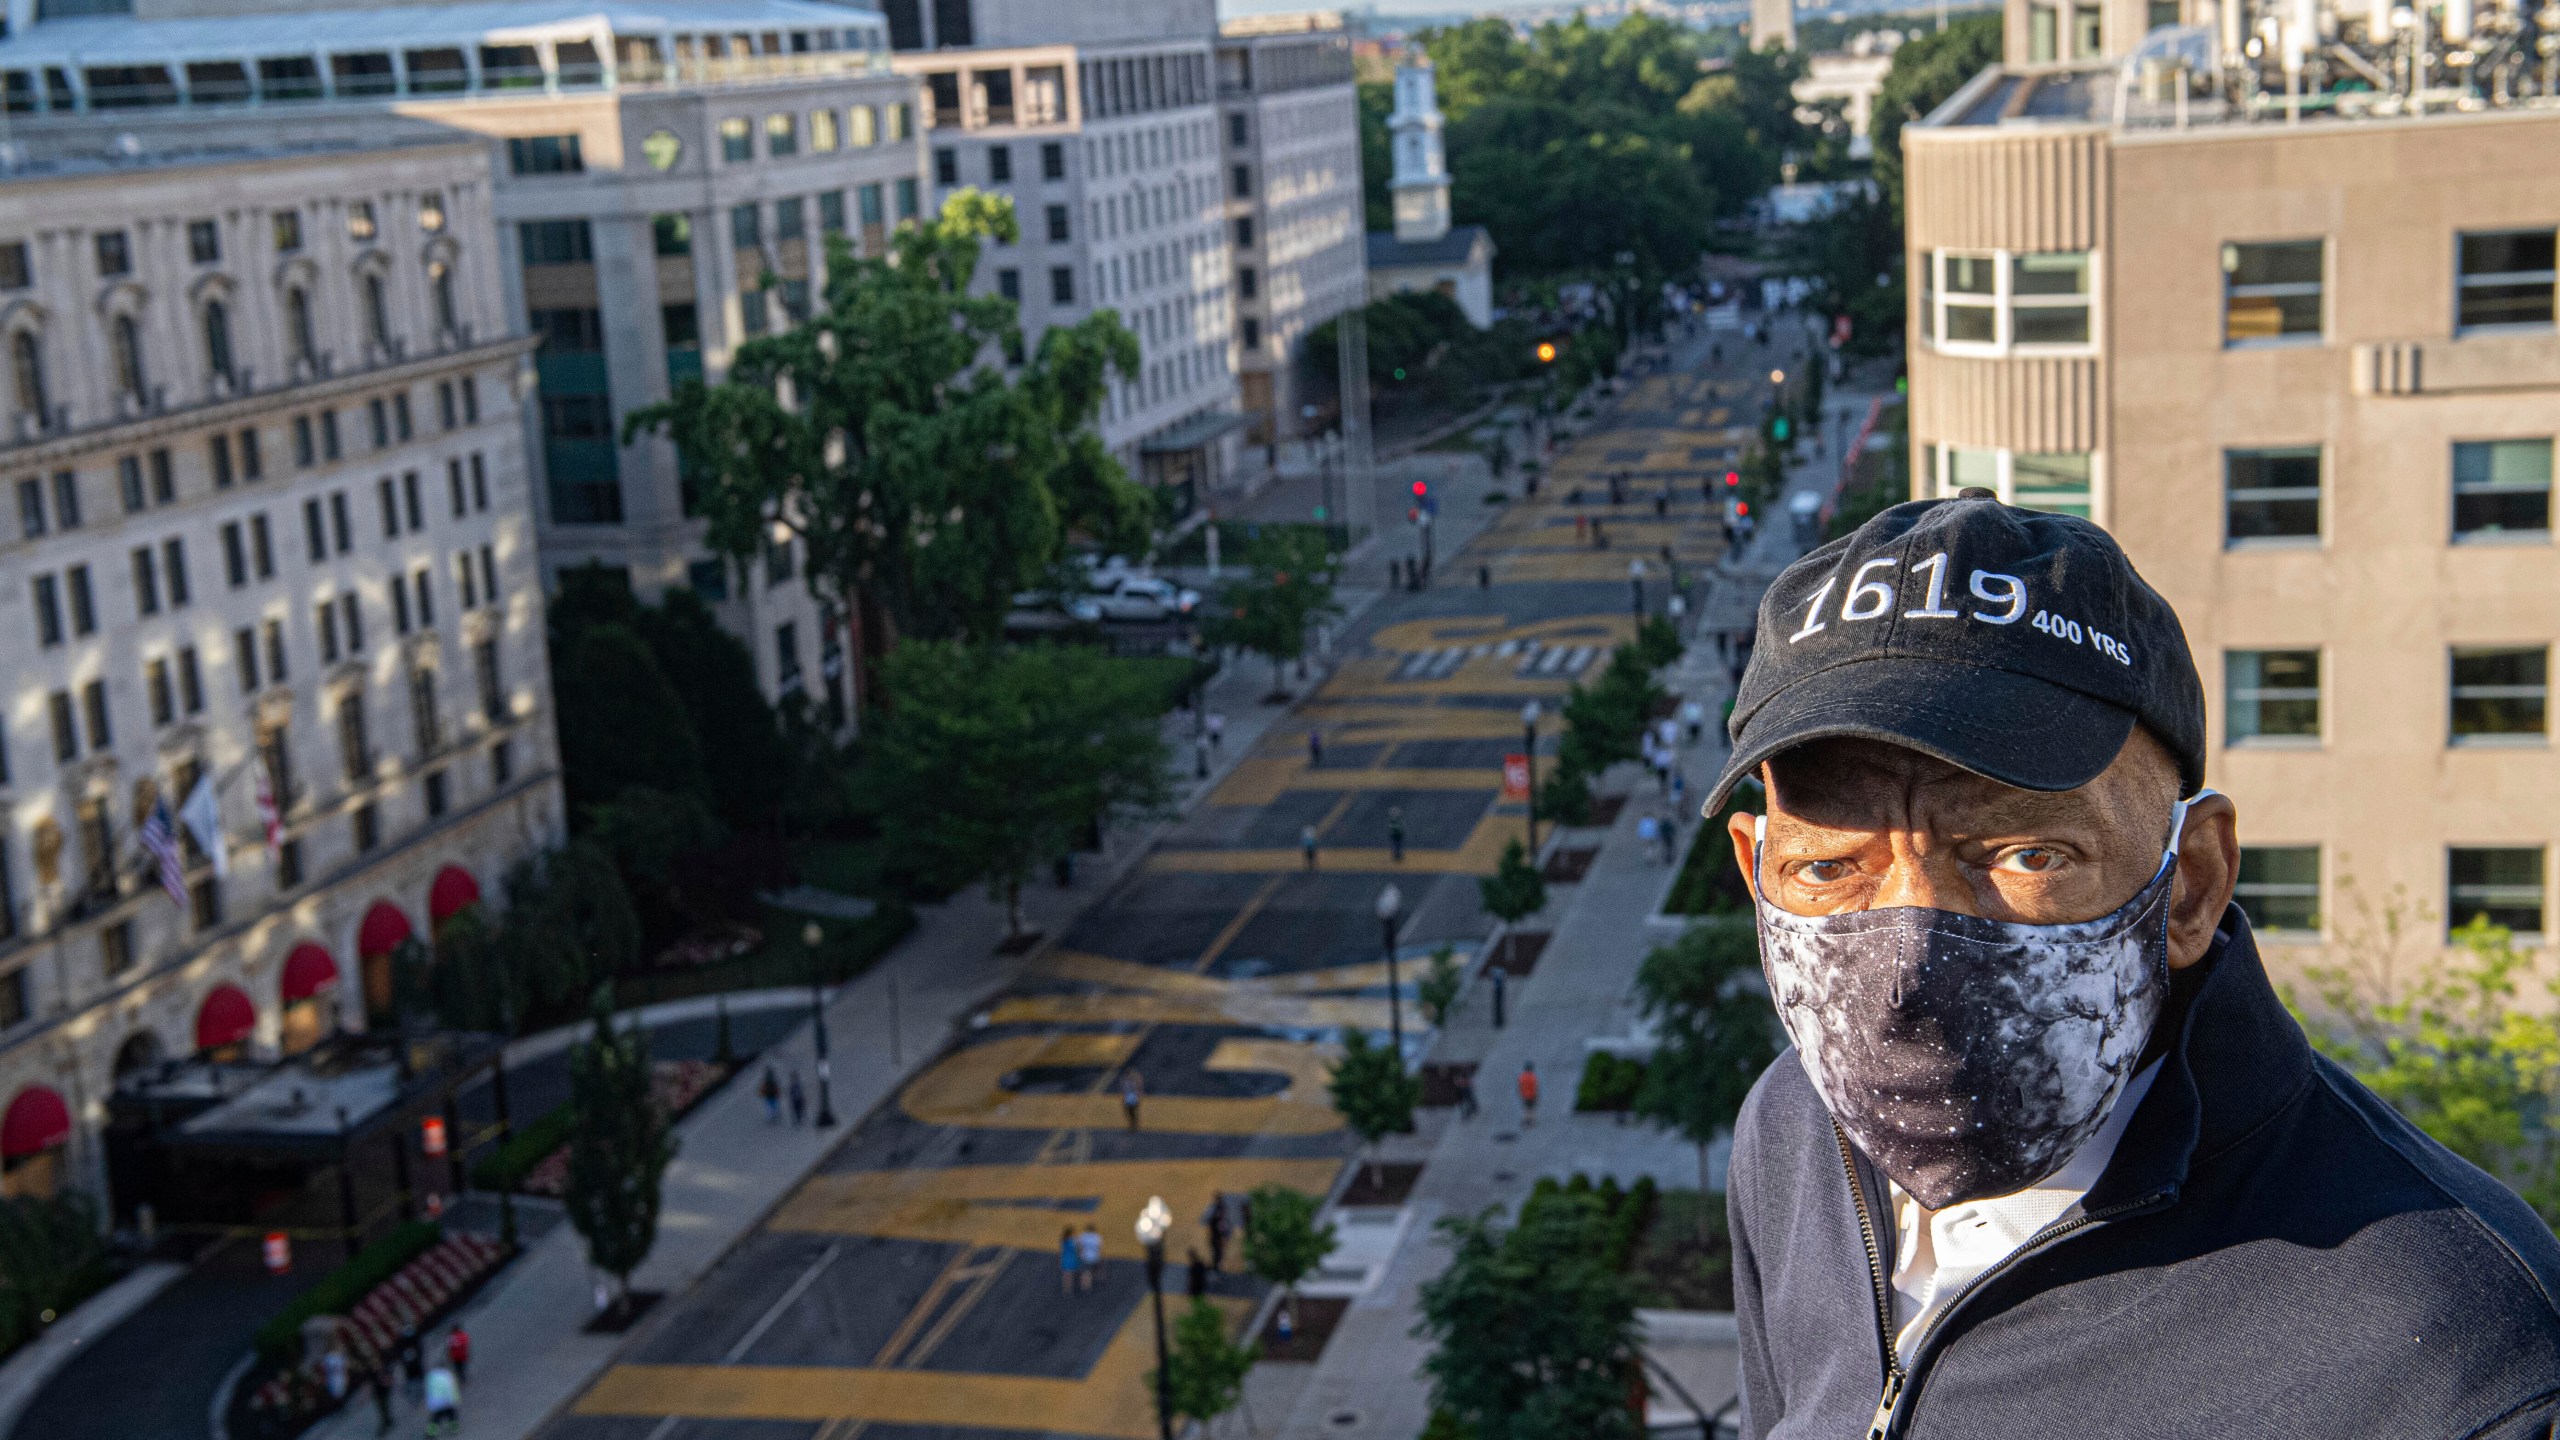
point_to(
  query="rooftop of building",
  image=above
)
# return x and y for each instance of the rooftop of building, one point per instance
(110, 63)
(117, 159)
(1388, 251)
(2179, 79)
(1249, 27)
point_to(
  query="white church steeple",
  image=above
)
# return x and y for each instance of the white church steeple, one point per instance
(1420, 189)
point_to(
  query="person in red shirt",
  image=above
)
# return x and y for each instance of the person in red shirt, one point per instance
(457, 1348)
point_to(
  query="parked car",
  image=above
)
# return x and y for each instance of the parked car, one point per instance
(1038, 611)
(1145, 597)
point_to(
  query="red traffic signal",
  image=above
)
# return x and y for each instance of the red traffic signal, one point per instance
(1421, 488)
(1732, 477)
(1741, 507)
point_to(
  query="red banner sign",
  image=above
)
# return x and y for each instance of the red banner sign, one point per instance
(1515, 779)
(431, 1135)
(279, 1252)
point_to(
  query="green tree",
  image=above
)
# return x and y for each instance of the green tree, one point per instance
(619, 720)
(1269, 612)
(987, 763)
(1284, 1244)
(2442, 1038)
(1438, 990)
(619, 1147)
(1515, 890)
(1716, 1033)
(926, 484)
(1533, 1333)
(1205, 1371)
(1925, 72)
(52, 1254)
(569, 927)
(473, 989)
(1372, 1093)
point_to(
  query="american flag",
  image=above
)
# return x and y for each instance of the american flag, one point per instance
(160, 837)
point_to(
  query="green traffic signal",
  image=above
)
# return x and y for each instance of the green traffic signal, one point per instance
(1780, 427)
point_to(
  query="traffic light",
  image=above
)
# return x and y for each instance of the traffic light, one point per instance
(1732, 478)
(1742, 507)
(1546, 352)
(1780, 427)
(1399, 372)
(1421, 489)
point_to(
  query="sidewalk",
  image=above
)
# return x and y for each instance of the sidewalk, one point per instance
(530, 1353)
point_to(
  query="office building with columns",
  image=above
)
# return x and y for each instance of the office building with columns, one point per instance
(277, 693)
(1101, 121)
(1291, 114)
(2289, 335)
(655, 167)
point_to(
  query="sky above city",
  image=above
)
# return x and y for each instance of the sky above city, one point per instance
(1231, 8)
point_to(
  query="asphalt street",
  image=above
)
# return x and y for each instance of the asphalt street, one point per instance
(911, 1287)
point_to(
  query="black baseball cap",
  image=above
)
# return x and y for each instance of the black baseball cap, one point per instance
(2017, 644)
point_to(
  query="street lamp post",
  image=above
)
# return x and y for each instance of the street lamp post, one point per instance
(1529, 752)
(1390, 900)
(1635, 588)
(1152, 1223)
(812, 936)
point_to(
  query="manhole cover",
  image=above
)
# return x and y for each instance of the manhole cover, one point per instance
(1343, 1419)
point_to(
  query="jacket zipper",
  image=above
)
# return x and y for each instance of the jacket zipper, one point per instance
(1880, 1293)
(1896, 1379)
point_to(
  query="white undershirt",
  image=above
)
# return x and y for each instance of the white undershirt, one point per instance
(1937, 1254)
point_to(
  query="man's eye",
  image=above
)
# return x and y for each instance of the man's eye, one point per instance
(2031, 860)
(1825, 872)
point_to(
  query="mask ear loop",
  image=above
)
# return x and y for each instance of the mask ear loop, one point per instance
(2168, 862)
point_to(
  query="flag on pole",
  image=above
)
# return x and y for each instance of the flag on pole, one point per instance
(203, 815)
(268, 817)
(160, 838)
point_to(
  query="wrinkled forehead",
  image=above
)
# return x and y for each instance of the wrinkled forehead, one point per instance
(1855, 784)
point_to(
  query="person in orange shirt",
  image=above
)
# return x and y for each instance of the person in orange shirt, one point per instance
(1528, 1094)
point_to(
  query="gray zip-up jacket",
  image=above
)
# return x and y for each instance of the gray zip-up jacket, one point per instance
(2272, 1252)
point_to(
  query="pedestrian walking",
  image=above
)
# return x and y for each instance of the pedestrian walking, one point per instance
(1599, 537)
(444, 1401)
(1528, 1093)
(799, 1102)
(771, 1090)
(1133, 1089)
(1467, 1088)
(1671, 835)
(1694, 715)
(1088, 1256)
(333, 1373)
(1648, 830)
(1315, 749)
(1667, 733)
(1662, 505)
(1484, 577)
(1244, 1216)
(1679, 792)
(1217, 730)
(1395, 833)
(457, 1348)
(378, 1380)
(1581, 527)
(1307, 843)
(413, 1361)
(1214, 1220)
(1199, 1277)
(1070, 1259)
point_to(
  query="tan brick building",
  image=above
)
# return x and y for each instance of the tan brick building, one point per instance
(2306, 371)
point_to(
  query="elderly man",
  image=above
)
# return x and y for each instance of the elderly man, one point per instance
(2049, 1158)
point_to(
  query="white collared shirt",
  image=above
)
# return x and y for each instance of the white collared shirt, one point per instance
(1936, 1254)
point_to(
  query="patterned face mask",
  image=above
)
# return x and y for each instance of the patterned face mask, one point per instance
(1966, 1057)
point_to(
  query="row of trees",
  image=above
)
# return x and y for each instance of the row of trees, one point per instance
(1604, 722)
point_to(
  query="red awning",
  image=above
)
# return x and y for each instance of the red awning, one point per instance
(454, 889)
(38, 1121)
(383, 929)
(307, 972)
(227, 1017)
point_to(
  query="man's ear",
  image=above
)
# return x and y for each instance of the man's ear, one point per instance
(2208, 868)
(1738, 827)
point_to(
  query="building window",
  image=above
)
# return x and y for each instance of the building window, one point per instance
(1235, 130)
(862, 127)
(1062, 285)
(1252, 333)
(781, 135)
(360, 223)
(204, 903)
(2064, 483)
(737, 139)
(502, 765)
(131, 380)
(1996, 300)
(2271, 292)
(2502, 885)
(15, 272)
(545, 155)
(2271, 495)
(115, 254)
(436, 803)
(146, 580)
(2279, 888)
(115, 947)
(1057, 217)
(2502, 488)
(790, 219)
(671, 234)
(1241, 181)
(93, 709)
(2506, 279)
(897, 121)
(1053, 161)
(999, 164)
(2043, 35)
(287, 225)
(217, 341)
(946, 165)
(84, 604)
(353, 747)
(822, 131)
(746, 226)
(289, 864)
(1248, 283)
(556, 242)
(368, 827)
(48, 607)
(910, 202)
(424, 719)
(2271, 695)
(2501, 695)
(484, 672)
